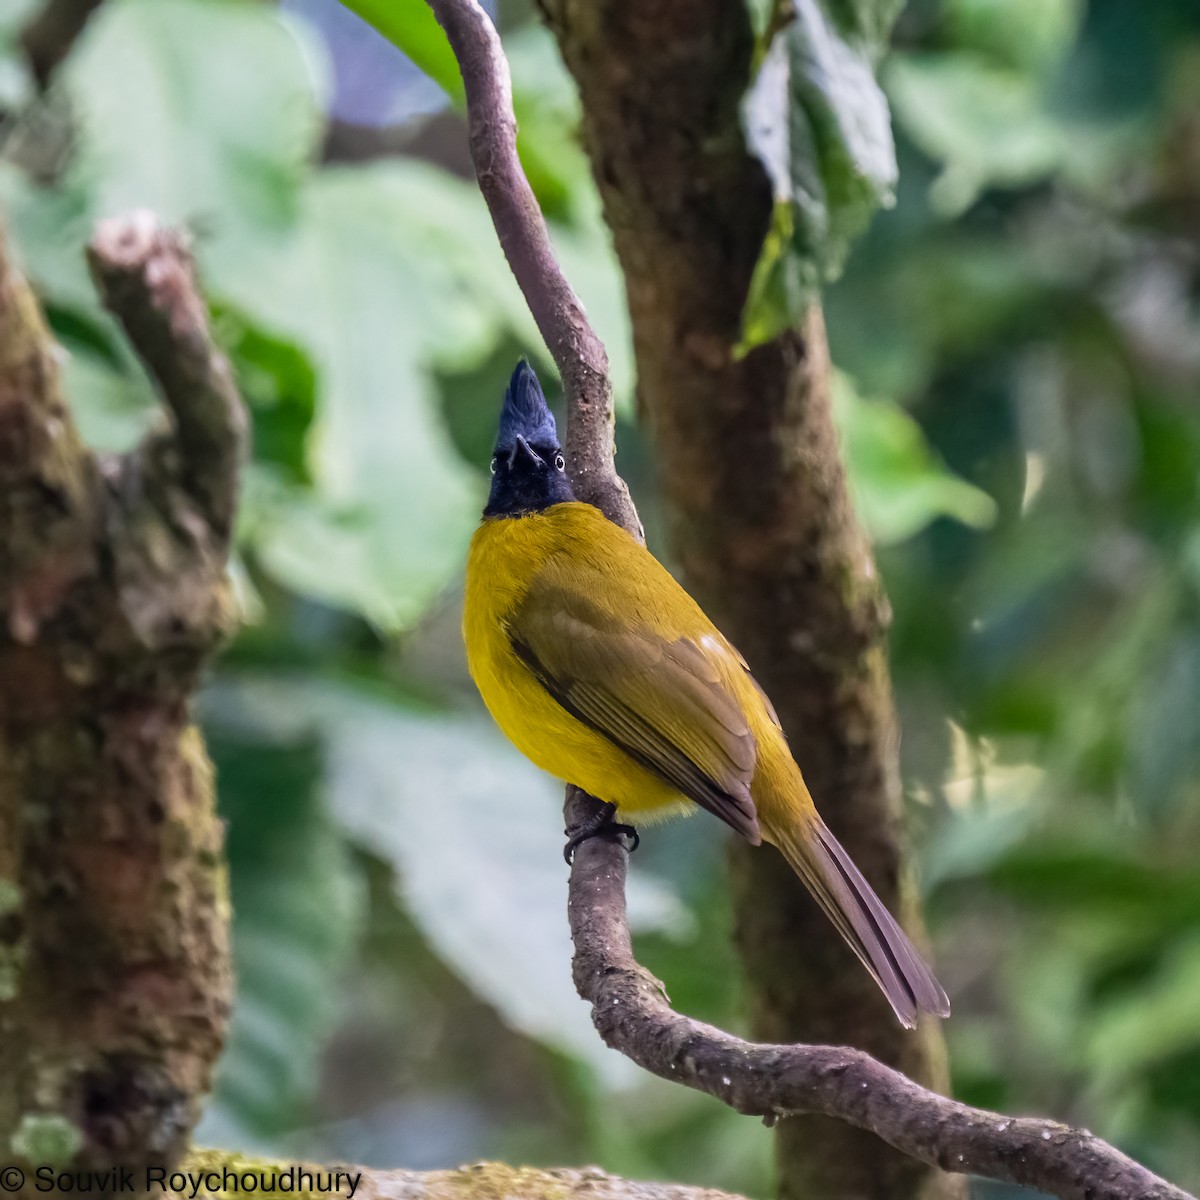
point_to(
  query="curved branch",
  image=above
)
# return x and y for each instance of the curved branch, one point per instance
(577, 351)
(631, 1016)
(145, 276)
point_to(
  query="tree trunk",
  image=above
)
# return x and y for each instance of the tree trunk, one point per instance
(762, 524)
(114, 970)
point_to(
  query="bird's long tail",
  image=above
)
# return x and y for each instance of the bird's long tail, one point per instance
(861, 918)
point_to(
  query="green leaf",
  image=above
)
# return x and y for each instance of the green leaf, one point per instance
(996, 125)
(298, 909)
(50, 227)
(278, 384)
(763, 14)
(201, 110)
(545, 102)
(987, 124)
(546, 105)
(411, 27)
(587, 258)
(782, 284)
(346, 555)
(898, 485)
(114, 406)
(1029, 35)
(820, 124)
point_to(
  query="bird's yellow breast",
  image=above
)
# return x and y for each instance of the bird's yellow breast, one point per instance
(575, 544)
(506, 553)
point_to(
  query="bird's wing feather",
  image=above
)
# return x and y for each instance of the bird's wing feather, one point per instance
(661, 701)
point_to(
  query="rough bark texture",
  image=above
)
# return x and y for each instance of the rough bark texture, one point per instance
(114, 971)
(763, 527)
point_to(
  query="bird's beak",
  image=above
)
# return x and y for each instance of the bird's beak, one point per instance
(523, 446)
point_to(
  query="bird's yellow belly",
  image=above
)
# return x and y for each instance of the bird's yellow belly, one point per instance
(560, 744)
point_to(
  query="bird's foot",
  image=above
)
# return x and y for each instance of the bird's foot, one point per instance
(599, 822)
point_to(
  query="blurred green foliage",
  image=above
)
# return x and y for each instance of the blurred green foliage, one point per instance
(1017, 342)
(1032, 301)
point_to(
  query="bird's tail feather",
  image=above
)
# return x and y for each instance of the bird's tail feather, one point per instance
(861, 918)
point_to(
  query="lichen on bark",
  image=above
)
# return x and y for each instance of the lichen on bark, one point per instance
(474, 1181)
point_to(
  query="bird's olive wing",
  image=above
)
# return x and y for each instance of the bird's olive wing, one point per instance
(662, 702)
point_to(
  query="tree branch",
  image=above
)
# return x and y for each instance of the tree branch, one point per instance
(577, 351)
(631, 1016)
(144, 274)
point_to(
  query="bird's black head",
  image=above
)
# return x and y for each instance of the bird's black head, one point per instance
(528, 469)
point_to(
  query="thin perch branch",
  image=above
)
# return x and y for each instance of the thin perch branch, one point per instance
(577, 351)
(144, 274)
(627, 1004)
(631, 1016)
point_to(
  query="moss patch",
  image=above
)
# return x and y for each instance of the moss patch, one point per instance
(46, 1139)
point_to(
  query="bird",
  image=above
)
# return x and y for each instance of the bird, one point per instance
(603, 671)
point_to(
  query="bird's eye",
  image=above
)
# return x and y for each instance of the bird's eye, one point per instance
(559, 462)
(492, 468)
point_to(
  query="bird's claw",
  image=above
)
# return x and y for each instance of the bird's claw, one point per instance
(599, 822)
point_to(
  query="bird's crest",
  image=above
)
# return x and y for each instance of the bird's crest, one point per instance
(525, 412)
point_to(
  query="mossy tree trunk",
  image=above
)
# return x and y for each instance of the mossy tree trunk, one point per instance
(114, 970)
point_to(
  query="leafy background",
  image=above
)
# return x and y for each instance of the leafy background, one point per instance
(1018, 345)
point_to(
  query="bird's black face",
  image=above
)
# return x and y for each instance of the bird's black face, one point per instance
(527, 478)
(528, 469)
